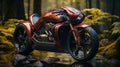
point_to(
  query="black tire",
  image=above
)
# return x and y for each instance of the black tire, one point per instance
(88, 46)
(21, 42)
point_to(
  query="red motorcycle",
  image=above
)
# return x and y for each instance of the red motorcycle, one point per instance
(57, 30)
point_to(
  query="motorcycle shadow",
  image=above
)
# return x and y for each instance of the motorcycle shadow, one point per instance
(75, 64)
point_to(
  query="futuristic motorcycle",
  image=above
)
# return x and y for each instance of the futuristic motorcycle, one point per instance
(57, 30)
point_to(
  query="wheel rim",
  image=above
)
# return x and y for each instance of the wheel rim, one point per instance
(83, 49)
(20, 39)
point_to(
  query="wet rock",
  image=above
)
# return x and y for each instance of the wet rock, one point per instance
(51, 59)
(21, 60)
(37, 64)
(104, 42)
(19, 57)
(114, 61)
(65, 57)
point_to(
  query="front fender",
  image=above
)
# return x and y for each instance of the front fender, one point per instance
(77, 32)
(81, 26)
(56, 31)
(28, 27)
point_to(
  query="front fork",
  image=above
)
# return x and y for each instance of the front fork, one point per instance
(76, 36)
(73, 32)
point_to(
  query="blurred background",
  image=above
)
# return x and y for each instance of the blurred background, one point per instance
(102, 15)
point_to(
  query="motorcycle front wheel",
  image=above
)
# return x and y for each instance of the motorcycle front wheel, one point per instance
(20, 40)
(88, 46)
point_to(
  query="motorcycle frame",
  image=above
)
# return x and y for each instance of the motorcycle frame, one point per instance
(60, 47)
(31, 27)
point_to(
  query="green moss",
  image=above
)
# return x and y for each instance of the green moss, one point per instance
(95, 15)
(6, 59)
(112, 50)
(6, 33)
(6, 45)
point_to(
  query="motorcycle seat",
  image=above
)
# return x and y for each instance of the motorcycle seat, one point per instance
(34, 18)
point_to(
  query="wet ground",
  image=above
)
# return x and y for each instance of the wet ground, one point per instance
(65, 62)
(57, 60)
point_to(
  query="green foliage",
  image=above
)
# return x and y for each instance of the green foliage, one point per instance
(116, 28)
(113, 33)
(6, 33)
(95, 15)
(11, 23)
(6, 45)
(112, 50)
(6, 59)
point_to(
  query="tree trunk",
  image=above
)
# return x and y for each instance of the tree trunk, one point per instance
(98, 3)
(37, 6)
(86, 3)
(77, 4)
(20, 12)
(90, 3)
(117, 8)
(28, 11)
(10, 9)
(13, 9)
(57, 5)
(1, 8)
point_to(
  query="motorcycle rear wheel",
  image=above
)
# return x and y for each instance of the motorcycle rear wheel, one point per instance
(88, 46)
(21, 42)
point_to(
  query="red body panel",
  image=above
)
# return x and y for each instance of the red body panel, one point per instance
(29, 28)
(80, 26)
(57, 28)
(47, 17)
(76, 30)
(58, 44)
(70, 13)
